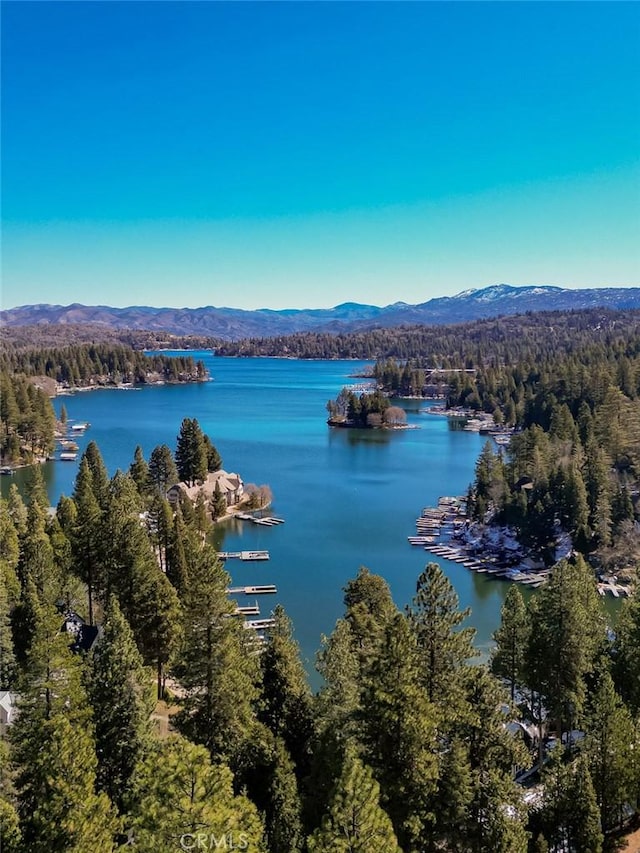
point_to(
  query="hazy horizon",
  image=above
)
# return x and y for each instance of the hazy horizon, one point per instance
(347, 301)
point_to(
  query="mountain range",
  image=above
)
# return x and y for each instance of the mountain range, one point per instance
(235, 323)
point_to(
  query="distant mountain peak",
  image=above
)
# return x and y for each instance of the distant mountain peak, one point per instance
(234, 323)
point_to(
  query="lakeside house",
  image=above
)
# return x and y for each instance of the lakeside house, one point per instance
(230, 486)
(83, 636)
(8, 701)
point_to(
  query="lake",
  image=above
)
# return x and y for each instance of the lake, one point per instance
(349, 497)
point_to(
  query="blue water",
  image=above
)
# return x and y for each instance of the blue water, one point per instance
(349, 498)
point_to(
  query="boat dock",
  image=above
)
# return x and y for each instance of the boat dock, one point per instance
(267, 521)
(530, 577)
(438, 529)
(610, 586)
(249, 610)
(265, 589)
(259, 624)
(243, 555)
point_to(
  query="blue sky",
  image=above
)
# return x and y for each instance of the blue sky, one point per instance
(305, 154)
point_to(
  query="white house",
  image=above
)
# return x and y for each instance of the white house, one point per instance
(8, 709)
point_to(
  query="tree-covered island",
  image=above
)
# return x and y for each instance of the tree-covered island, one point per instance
(365, 411)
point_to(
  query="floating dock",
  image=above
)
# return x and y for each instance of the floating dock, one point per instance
(249, 610)
(259, 624)
(265, 589)
(438, 529)
(267, 521)
(243, 555)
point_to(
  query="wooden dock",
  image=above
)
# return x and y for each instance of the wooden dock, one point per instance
(259, 624)
(248, 610)
(267, 521)
(243, 555)
(265, 589)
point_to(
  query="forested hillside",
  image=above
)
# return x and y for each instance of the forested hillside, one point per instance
(453, 345)
(407, 731)
(99, 364)
(27, 420)
(50, 336)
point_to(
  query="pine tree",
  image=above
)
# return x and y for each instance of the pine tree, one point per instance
(160, 525)
(54, 751)
(355, 823)
(569, 814)
(139, 471)
(24, 620)
(271, 784)
(35, 489)
(9, 553)
(157, 620)
(511, 638)
(177, 565)
(86, 543)
(182, 796)
(444, 649)
(584, 830)
(285, 701)
(214, 460)
(124, 545)
(10, 834)
(162, 469)
(610, 732)
(147, 599)
(626, 654)
(17, 510)
(99, 475)
(338, 713)
(36, 556)
(567, 633)
(191, 453)
(369, 609)
(454, 797)
(218, 503)
(7, 657)
(122, 704)
(338, 701)
(399, 734)
(498, 817)
(596, 479)
(215, 667)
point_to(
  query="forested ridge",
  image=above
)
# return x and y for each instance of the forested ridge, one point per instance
(27, 419)
(459, 345)
(408, 746)
(57, 336)
(105, 363)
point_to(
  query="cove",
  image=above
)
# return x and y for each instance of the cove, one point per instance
(348, 497)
